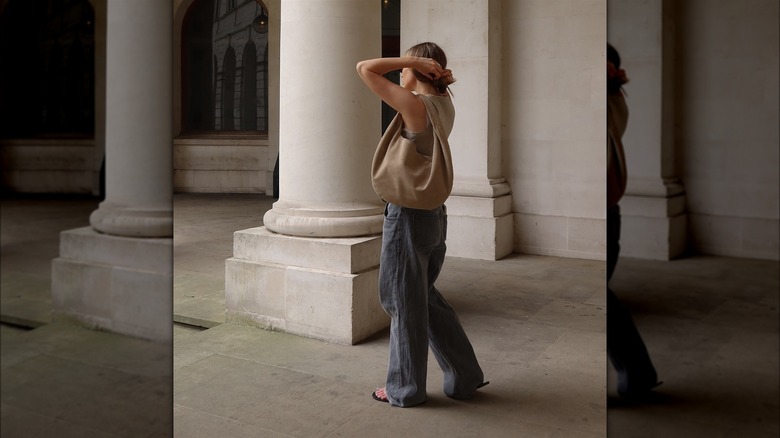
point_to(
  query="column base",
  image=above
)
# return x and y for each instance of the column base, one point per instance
(479, 219)
(322, 288)
(730, 236)
(479, 228)
(560, 236)
(119, 284)
(336, 220)
(653, 227)
(121, 220)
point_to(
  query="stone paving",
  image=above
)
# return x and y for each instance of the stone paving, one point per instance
(537, 325)
(61, 379)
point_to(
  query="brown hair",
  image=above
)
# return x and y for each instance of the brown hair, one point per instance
(433, 51)
(616, 78)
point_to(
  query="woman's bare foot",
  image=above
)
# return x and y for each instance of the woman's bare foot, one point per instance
(380, 395)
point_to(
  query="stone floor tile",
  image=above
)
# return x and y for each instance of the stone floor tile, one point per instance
(205, 311)
(553, 398)
(192, 423)
(443, 417)
(744, 314)
(89, 396)
(123, 353)
(25, 312)
(181, 330)
(195, 285)
(510, 341)
(20, 423)
(279, 399)
(573, 315)
(576, 351)
(498, 296)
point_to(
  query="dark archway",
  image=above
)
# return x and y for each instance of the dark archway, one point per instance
(220, 94)
(197, 59)
(228, 90)
(391, 47)
(249, 99)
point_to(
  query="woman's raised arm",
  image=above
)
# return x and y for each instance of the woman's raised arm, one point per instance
(371, 71)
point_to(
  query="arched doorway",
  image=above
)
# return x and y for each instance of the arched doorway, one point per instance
(223, 87)
(48, 97)
(221, 92)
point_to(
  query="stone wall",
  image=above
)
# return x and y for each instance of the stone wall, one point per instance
(553, 125)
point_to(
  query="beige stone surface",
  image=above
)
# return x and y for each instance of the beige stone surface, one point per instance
(711, 326)
(479, 238)
(560, 236)
(63, 380)
(693, 119)
(97, 280)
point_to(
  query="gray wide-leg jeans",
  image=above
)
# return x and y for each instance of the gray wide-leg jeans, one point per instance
(413, 251)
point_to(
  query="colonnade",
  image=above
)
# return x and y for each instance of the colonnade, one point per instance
(311, 268)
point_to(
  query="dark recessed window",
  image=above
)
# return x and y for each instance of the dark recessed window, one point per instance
(224, 68)
(48, 76)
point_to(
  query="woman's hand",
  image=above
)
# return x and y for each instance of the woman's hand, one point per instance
(430, 68)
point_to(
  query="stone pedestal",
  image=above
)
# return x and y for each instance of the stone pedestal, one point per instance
(654, 225)
(318, 288)
(114, 283)
(480, 222)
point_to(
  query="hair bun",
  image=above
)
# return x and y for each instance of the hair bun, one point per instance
(444, 81)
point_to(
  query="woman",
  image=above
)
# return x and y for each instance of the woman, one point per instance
(413, 245)
(625, 348)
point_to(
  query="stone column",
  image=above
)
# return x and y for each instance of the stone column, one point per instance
(117, 274)
(653, 208)
(480, 207)
(312, 269)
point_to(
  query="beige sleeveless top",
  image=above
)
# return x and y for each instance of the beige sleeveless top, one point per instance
(424, 140)
(617, 119)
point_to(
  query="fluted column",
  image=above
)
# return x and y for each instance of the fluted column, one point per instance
(329, 122)
(653, 207)
(480, 207)
(117, 274)
(312, 269)
(138, 121)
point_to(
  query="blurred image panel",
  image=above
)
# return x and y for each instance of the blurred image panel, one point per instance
(86, 256)
(693, 312)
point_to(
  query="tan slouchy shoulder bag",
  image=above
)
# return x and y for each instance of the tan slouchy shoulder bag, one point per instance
(402, 176)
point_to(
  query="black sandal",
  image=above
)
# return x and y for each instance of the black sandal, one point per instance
(377, 398)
